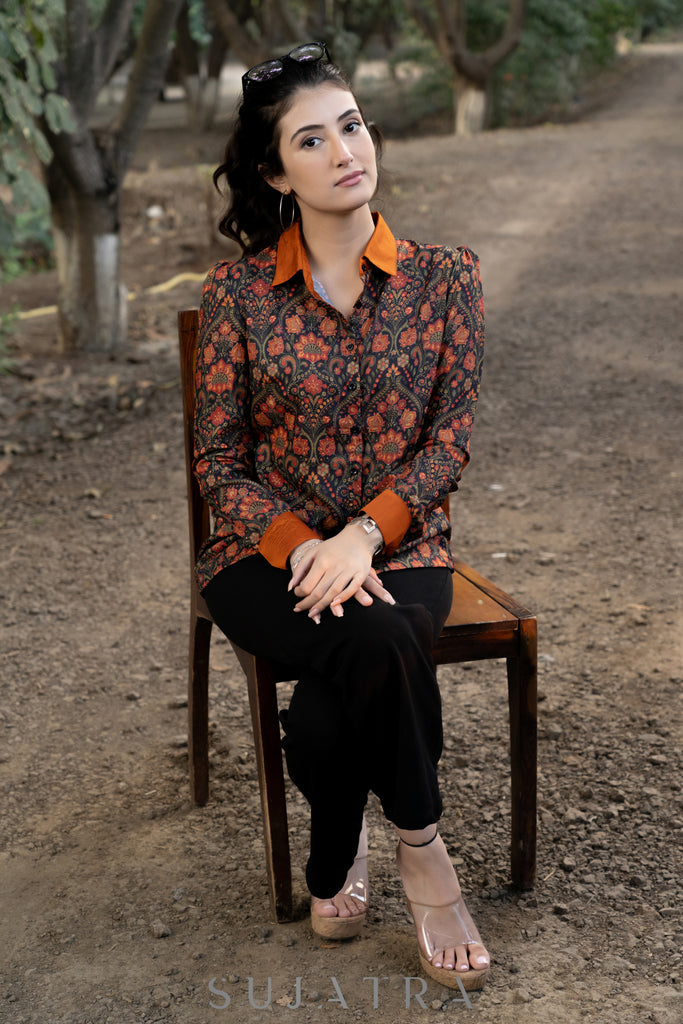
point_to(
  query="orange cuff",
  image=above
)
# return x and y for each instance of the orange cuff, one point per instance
(282, 536)
(393, 517)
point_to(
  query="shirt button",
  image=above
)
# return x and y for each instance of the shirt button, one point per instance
(354, 470)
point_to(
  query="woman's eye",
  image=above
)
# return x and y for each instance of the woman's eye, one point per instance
(351, 127)
(310, 143)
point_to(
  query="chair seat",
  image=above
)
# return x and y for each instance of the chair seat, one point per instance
(473, 605)
(480, 624)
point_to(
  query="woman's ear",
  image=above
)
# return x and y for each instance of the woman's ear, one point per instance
(276, 181)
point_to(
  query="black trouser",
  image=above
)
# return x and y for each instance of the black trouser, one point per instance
(366, 711)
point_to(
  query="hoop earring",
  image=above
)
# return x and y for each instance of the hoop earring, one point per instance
(293, 216)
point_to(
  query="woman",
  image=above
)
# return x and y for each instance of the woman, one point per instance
(336, 380)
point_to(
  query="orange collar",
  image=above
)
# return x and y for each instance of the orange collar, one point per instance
(292, 256)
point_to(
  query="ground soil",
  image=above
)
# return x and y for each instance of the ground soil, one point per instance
(120, 900)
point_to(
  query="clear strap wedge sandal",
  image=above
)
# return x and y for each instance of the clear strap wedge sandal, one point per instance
(356, 887)
(443, 927)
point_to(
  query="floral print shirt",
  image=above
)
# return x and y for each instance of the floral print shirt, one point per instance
(305, 418)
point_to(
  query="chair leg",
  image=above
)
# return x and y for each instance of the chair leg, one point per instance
(198, 708)
(266, 726)
(523, 728)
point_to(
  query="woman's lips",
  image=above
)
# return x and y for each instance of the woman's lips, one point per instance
(351, 179)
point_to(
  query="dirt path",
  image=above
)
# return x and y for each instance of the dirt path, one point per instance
(574, 498)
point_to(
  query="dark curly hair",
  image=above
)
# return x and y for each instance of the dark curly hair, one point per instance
(252, 218)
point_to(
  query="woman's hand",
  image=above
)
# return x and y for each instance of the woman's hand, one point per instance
(331, 572)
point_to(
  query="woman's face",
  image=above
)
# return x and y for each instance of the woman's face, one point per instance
(327, 153)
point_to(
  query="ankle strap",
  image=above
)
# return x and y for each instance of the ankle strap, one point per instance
(417, 846)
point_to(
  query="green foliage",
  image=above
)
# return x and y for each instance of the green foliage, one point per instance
(485, 23)
(543, 72)
(27, 92)
(563, 42)
(27, 80)
(25, 234)
(199, 29)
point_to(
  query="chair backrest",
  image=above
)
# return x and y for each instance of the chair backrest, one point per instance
(198, 510)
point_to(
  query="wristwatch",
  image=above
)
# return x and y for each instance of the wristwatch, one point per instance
(370, 526)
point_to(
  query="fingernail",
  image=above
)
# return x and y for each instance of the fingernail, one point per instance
(316, 619)
(389, 599)
(337, 610)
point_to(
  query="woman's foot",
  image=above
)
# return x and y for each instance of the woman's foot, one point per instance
(450, 945)
(342, 916)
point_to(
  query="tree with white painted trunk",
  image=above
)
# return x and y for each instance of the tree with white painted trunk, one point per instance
(445, 23)
(87, 167)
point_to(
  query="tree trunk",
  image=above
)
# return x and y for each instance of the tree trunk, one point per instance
(445, 23)
(249, 50)
(208, 103)
(471, 107)
(201, 101)
(202, 85)
(187, 53)
(92, 303)
(85, 177)
(214, 65)
(186, 48)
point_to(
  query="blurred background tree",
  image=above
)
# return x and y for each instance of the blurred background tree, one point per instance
(88, 165)
(72, 47)
(511, 66)
(563, 45)
(254, 30)
(447, 24)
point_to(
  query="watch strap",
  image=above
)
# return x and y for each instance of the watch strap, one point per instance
(370, 526)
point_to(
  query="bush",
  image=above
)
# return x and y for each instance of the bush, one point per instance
(563, 44)
(417, 99)
(27, 95)
(25, 228)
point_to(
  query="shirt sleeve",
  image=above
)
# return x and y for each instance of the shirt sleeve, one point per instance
(225, 461)
(424, 481)
(392, 516)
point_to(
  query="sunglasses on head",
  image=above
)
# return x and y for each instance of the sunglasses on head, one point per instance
(304, 54)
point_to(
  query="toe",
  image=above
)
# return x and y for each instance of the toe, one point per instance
(354, 906)
(462, 962)
(479, 958)
(449, 959)
(342, 908)
(324, 908)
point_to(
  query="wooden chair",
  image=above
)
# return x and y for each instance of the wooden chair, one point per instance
(483, 623)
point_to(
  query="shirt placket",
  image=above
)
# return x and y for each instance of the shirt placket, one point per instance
(352, 350)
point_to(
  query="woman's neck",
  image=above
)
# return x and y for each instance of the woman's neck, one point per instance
(335, 244)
